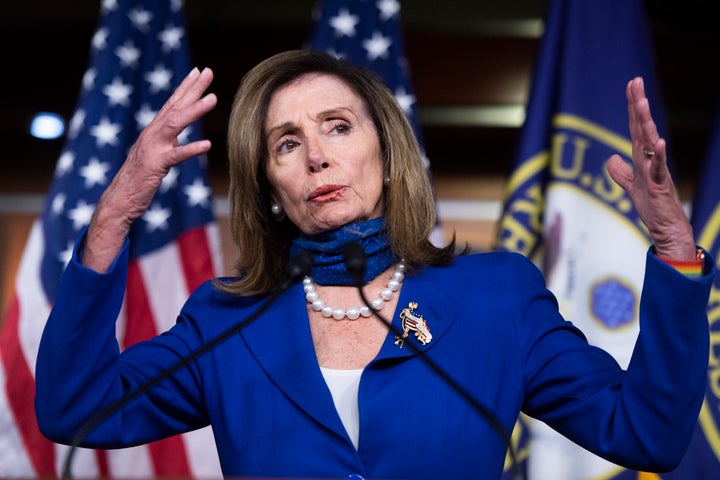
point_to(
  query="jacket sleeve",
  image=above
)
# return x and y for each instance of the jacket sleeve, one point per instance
(641, 418)
(80, 370)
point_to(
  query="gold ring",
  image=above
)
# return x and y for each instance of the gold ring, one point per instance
(648, 153)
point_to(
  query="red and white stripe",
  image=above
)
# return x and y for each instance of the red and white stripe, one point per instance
(158, 285)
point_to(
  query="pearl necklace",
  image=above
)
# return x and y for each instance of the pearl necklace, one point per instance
(353, 313)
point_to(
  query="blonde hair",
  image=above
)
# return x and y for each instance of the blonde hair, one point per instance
(264, 242)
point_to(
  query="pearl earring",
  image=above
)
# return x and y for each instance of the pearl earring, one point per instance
(386, 181)
(276, 209)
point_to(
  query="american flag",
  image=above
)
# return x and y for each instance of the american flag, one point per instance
(138, 56)
(369, 33)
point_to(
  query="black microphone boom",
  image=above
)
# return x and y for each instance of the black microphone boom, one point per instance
(354, 258)
(297, 267)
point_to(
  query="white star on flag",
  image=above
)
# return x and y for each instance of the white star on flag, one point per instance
(377, 46)
(156, 218)
(159, 79)
(95, 173)
(388, 9)
(58, 203)
(66, 255)
(118, 93)
(76, 123)
(144, 116)
(335, 53)
(198, 193)
(81, 214)
(404, 99)
(140, 19)
(128, 54)
(65, 163)
(99, 40)
(170, 38)
(169, 181)
(344, 23)
(88, 79)
(184, 136)
(109, 6)
(105, 133)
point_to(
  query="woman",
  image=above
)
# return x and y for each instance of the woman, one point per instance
(320, 155)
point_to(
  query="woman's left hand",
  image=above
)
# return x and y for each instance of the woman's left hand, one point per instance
(649, 184)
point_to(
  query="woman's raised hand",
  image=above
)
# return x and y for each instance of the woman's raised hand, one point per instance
(649, 184)
(149, 160)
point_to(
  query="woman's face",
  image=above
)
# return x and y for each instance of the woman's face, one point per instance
(324, 159)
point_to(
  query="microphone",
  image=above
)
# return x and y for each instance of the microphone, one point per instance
(295, 270)
(355, 262)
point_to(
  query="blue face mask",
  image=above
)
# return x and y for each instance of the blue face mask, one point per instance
(327, 248)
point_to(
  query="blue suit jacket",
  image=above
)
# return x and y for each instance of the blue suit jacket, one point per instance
(496, 330)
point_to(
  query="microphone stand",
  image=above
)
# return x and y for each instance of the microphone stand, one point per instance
(354, 258)
(296, 269)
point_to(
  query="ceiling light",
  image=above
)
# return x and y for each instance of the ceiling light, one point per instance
(47, 126)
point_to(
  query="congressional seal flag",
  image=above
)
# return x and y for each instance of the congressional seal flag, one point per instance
(138, 55)
(561, 207)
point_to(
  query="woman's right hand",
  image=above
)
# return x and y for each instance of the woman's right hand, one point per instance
(156, 151)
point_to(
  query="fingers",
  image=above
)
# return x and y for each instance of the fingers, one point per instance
(190, 89)
(178, 120)
(642, 127)
(650, 185)
(157, 148)
(183, 152)
(632, 116)
(620, 172)
(648, 148)
(659, 172)
(187, 104)
(189, 79)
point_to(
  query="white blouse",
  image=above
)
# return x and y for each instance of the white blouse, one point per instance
(343, 385)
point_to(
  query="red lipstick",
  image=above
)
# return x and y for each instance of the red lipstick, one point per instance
(325, 193)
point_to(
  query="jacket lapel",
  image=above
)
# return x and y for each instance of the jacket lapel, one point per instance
(436, 309)
(281, 342)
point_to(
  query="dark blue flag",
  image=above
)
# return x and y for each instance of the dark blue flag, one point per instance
(702, 460)
(562, 209)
